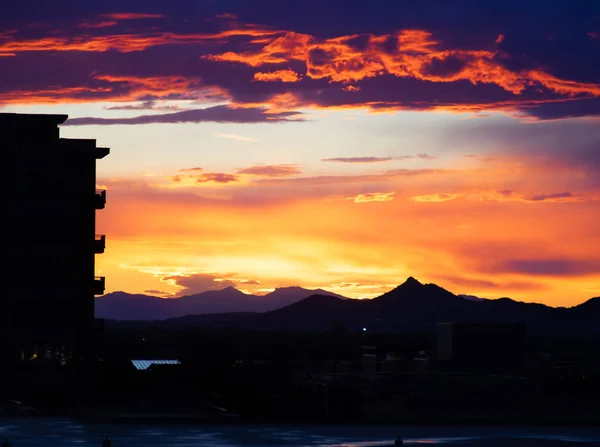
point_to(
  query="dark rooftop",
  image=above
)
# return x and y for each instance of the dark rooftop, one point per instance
(31, 119)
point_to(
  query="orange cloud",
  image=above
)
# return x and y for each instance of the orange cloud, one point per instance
(278, 75)
(116, 89)
(435, 198)
(55, 95)
(217, 177)
(193, 180)
(409, 53)
(271, 170)
(373, 197)
(508, 196)
(276, 50)
(564, 87)
(124, 43)
(162, 86)
(418, 56)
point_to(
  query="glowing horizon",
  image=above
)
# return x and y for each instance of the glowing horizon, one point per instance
(259, 150)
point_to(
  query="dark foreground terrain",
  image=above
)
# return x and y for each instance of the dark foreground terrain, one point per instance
(230, 376)
(53, 432)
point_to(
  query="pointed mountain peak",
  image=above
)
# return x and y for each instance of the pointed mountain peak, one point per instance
(411, 282)
(410, 285)
(413, 290)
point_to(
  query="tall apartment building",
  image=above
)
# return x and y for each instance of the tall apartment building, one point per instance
(52, 240)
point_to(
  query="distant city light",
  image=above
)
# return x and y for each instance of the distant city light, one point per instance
(364, 329)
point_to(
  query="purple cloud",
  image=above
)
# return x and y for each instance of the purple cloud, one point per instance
(271, 170)
(146, 105)
(217, 177)
(358, 159)
(216, 114)
(377, 159)
(550, 267)
(476, 283)
(543, 197)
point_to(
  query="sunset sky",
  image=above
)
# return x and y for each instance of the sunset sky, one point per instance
(337, 144)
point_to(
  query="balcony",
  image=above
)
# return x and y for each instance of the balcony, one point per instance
(100, 199)
(99, 285)
(99, 243)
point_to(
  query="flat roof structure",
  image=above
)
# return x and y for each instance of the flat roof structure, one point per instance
(142, 365)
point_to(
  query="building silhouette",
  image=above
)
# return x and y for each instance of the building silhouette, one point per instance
(498, 348)
(48, 311)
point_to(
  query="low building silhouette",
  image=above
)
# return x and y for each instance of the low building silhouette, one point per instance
(369, 359)
(493, 348)
(48, 312)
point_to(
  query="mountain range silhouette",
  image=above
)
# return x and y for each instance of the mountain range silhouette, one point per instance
(410, 307)
(125, 306)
